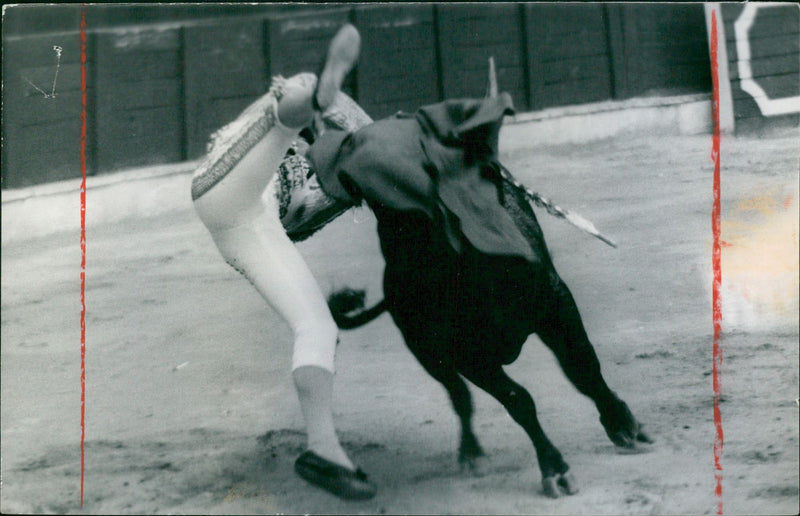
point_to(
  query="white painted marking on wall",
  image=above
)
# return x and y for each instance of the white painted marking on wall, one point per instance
(768, 106)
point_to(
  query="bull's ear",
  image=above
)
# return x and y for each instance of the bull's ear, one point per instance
(486, 112)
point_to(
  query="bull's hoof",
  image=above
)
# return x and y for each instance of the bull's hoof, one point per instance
(471, 459)
(631, 440)
(562, 483)
(633, 445)
(475, 466)
(623, 429)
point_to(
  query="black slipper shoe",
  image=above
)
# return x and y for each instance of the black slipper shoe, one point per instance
(350, 485)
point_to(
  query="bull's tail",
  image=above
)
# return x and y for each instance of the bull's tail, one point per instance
(347, 308)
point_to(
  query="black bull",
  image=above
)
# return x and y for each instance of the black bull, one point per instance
(469, 314)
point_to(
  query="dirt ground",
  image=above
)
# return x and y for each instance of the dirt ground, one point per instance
(190, 406)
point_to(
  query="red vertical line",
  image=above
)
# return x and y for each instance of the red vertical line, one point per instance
(716, 266)
(83, 240)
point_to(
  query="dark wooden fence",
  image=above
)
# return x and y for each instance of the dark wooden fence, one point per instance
(157, 89)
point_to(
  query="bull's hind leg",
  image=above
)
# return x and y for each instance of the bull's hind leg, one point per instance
(563, 332)
(432, 354)
(520, 406)
(470, 454)
(471, 458)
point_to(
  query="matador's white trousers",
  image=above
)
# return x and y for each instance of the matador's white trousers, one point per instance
(228, 192)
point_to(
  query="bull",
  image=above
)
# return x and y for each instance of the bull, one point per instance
(468, 314)
(468, 276)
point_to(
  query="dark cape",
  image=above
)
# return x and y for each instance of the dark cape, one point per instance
(441, 160)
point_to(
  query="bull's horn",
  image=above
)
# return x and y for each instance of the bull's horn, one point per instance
(491, 90)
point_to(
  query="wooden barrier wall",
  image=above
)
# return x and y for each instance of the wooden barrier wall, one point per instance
(399, 67)
(569, 54)
(156, 90)
(41, 133)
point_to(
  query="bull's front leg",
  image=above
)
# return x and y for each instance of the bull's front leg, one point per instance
(556, 478)
(563, 332)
